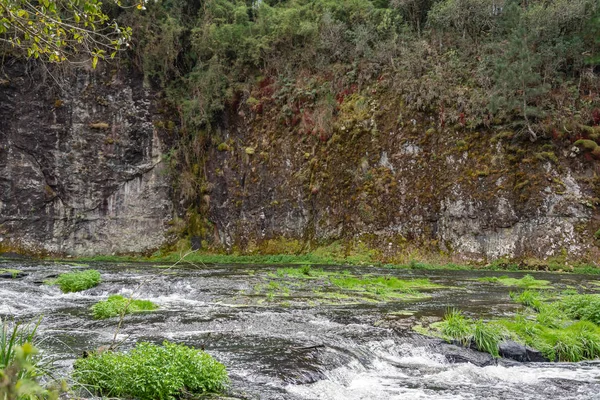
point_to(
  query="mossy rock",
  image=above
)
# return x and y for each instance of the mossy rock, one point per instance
(223, 147)
(585, 144)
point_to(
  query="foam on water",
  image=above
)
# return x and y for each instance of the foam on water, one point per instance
(396, 373)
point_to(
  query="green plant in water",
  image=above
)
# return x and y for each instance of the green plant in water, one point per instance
(305, 269)
(116, 305)
(150, 372)
(457, 327)
(78, 281)
(584, 306)
(303, 272)
(13, 272)
(526, 282)
(389, 283)
(527, 298)
(487, 337)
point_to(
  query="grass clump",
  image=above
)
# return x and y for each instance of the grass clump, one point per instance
(487, 338)
(563, 330)
(13, 272)
(457, 327)
(583, 307)
(78, 281)
(14, 335)
(149, 371)
(526, 282)
(382, 283)
(528, 298)
(303, 272)
(116, 305)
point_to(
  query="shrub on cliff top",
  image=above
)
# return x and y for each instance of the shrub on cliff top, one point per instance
(78, 281)
(150, 372)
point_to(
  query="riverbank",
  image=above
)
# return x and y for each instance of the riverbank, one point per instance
(321, 257)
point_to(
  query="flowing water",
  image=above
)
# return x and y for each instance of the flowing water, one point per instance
(293, 345)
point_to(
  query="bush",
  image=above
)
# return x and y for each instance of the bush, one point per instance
(152, 372)
(78, 281)
(116, 304)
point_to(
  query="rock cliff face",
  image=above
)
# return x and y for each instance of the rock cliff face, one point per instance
(403, 185)
(80, 163)
(81, 173)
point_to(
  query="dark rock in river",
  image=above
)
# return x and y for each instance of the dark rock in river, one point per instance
(519, 352)
(457, 354)
(10, 275)
(535, 356)
(513, 350)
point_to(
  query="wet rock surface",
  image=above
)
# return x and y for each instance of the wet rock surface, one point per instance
(514, 351)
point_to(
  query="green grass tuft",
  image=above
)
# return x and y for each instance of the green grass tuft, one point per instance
(562, 330)
(115, 304)
(303, 272)
(584, 307)
(382, 283)
(487, 337)
(456, 326)
(78, 281)
(150, 372)
(528, 298)
(13, 272)
(12, 336)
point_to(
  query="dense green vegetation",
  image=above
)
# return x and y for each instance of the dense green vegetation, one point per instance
(518, 51)
(117, 305)
(563, 330)
(152, 372)
(78, 281)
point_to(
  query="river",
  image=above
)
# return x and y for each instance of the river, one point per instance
(292, 344)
